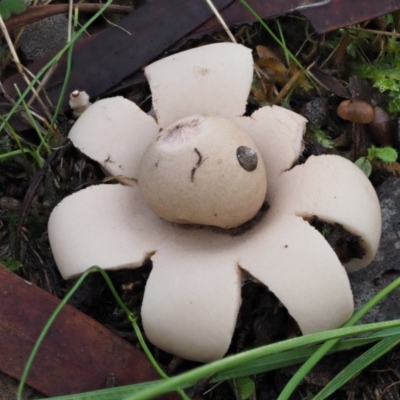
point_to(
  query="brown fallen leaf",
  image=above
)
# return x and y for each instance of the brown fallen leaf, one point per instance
(330, 82)
(336, 14)
(272, 65)
(324, 15)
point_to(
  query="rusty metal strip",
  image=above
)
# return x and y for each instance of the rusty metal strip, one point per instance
(110, 56)
(77, 355)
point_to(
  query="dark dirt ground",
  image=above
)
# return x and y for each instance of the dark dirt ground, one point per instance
(262, 319)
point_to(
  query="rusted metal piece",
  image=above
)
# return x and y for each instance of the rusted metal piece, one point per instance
(237, 14)
(324, 15)
(77, 355)
(37, 13)
(339, 13)
(113, 54)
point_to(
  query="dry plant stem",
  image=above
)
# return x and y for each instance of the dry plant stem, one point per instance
(39, 89)
(24, 116)
(339, 51)
(44, 121)
(43, 83)
(51, 70)
(228, 31)
(116, 25)
(29, 196)
(357, 140)
(221, 20)
(18, 64)
(395, 34)
(391, 167)
(70, 20)
(34, 14)
(8, 58)
(285, 90)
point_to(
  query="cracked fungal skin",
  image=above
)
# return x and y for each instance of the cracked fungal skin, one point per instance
(187, 176)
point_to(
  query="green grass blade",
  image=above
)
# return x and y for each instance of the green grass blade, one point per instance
(288, 53)
(66, 78)
(314, 359)
(285, 49)
(292, 357)
(46, 328)
(116, 393)
(358, 365)
(57, 311)
(51, 62)
(258, 366)
(34, 124)
(190, 377)
(152, 360)
(22, 150)
(285, 359)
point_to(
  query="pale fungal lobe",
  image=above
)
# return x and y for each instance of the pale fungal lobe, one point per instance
(193, 294)
(114, 132)
(209, 80)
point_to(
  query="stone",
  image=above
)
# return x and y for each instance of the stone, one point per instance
(43, 37)
(386, 266)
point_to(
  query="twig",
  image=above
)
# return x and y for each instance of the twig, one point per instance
(28, 199)
(285, 90)
(385, 33)
(221, 21)
(20, 67)
(34, 14)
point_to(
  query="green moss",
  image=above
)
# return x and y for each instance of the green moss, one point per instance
(384, 74)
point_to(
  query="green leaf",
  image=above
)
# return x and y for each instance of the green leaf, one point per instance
(365, 165)
(12, 265)
(243, 387)
(385, 154)
(8, 7)
(321, 137)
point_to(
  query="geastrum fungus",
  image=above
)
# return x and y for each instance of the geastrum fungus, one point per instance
(203, 163)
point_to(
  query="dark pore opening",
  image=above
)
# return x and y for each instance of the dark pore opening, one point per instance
(262, 318)
(345, 244)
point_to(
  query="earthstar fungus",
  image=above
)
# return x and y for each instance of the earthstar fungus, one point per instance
(193, 295)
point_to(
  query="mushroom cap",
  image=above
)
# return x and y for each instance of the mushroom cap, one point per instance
(203, 170)
(355, 110)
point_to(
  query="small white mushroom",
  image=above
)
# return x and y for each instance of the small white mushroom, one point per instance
(203, 170)
(79, 102)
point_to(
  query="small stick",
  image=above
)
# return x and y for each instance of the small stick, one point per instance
(15, 57)
(221, 21)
